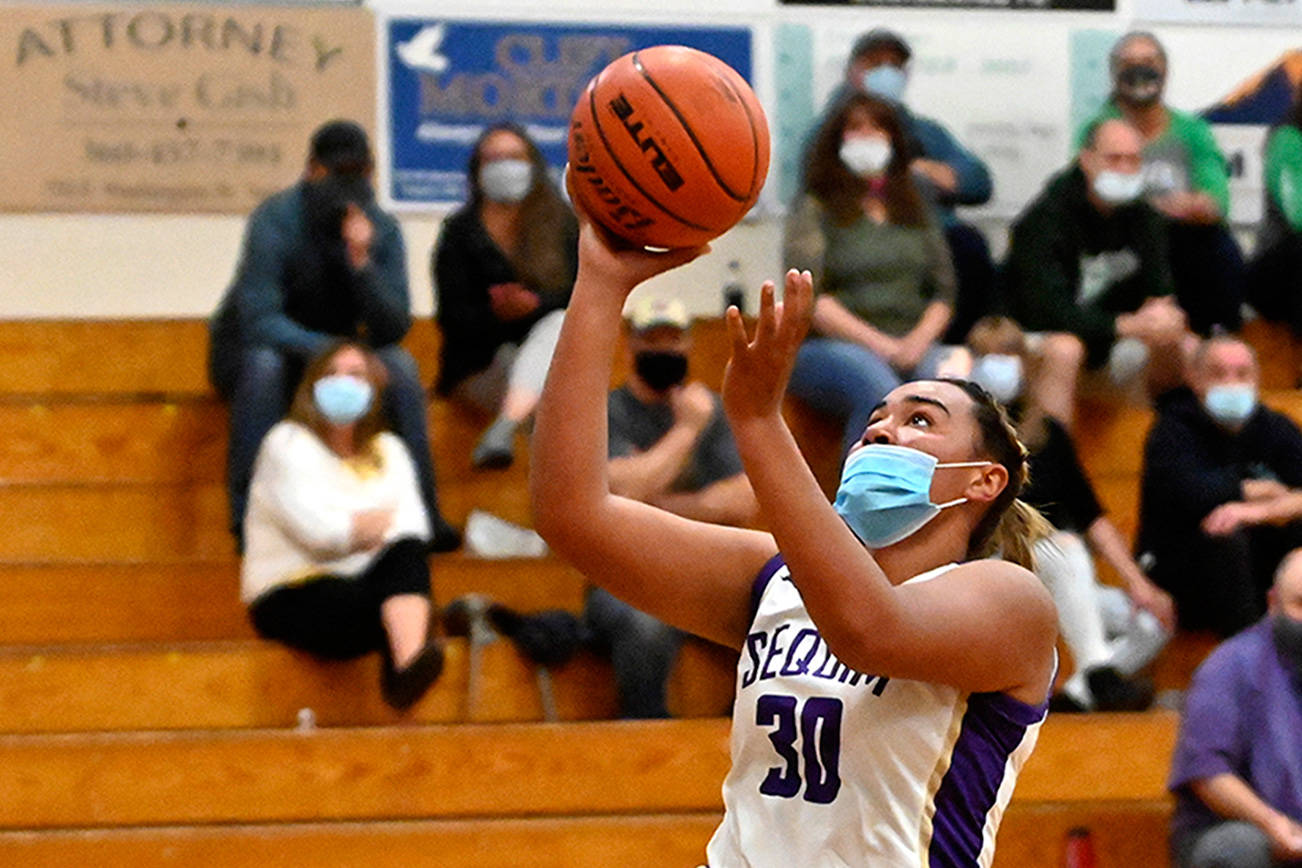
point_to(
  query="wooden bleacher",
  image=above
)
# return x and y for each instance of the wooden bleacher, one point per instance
(142, 723)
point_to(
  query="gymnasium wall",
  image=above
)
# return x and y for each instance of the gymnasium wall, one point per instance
(1011, 84)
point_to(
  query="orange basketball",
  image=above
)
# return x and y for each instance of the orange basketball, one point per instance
(668, 147)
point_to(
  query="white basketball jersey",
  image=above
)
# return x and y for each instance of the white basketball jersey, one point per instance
(832, 767)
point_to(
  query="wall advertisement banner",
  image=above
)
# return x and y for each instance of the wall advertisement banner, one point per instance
(448, 79)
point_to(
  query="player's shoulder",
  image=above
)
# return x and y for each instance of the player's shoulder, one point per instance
(1007, 582)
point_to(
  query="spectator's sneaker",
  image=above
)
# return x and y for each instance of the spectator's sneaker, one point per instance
(496, 447)
(1114, 693)
(403, 688)
(443, 536)
(1061, 703)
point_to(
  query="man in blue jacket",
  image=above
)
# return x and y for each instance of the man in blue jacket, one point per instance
(320, 262)
(948, 173)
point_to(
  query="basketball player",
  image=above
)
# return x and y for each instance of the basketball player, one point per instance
(891, 683)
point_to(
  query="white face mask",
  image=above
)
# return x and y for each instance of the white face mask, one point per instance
(866, 155)
(1117, 188)
(506, 181)
(1000, 374)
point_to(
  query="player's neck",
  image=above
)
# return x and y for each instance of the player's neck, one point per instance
(941, 541)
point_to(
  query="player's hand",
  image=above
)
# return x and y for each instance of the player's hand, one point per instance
(693, 406)
(757, 373)
(1229, 517)
(512, 301)
(369, 529)
(358, 234)
(1156, 602)
(614, 263)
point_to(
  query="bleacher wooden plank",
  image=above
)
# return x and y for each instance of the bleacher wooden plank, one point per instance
(52, 603)
(1124, 834)
(1076, 758)
(411, 772)
(253, 684)
(566, 842)
(69, 522)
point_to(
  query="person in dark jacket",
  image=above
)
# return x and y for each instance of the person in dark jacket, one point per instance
(1087, 269)
(1221, 491)
(320, 261)
(504, 266)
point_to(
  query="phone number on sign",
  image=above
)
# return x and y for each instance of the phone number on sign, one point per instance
(183, 151)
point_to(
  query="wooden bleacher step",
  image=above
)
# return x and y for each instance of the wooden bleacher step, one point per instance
(48, 603)
(253, 684)
(652, 841)
(445, 772)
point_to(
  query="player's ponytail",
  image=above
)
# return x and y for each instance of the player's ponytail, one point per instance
(1009, 526)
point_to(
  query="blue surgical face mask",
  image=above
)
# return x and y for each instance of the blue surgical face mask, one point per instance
(341, 398)
(886, 81)
(885, 493)
(1000, 374)
(1231, 403)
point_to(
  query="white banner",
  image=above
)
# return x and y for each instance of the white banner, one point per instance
(1265, 13)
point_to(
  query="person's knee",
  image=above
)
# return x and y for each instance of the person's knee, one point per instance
(402, 367)
(1062, 353)
(263, 367)
(1232, 845)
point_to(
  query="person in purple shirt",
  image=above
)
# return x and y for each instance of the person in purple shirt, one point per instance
(1237, 769)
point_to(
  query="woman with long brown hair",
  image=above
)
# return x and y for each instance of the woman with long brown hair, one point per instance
(335, 535)
(504, 267)
(882, 269)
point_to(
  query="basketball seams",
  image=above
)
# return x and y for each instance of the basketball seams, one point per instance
(755, 179)
(691, 134)
(614, 159)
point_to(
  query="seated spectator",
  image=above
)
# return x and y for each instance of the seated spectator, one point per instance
(335, 536)
(670, 446)
(1277, 262)
(1112, 633)
(1186, 178)
(1221, 491)
(320, 261)
(1087, 267)
(882, 270)
(504, 267)
(1237, 769)
(946, 173)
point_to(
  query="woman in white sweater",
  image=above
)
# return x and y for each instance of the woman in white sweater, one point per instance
(336, 533)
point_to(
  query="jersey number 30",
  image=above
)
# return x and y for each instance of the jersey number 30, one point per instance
(820, 746)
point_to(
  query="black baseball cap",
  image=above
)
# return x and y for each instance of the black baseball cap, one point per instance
(341, 146)
(880, 37)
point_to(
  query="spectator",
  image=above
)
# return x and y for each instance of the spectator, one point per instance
(670, 446)
(1111, 633)
(1237, 769)
(504, 267)
(881, 267)
(947, 173)
(1087, 267)
(1273, 274)
(335, 560)
(320, 261)
(1185, 178)
(1221, 491)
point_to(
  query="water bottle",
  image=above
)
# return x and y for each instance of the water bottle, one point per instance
(734, 291)
(1080, 849)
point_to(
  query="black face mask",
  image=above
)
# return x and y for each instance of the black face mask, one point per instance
(1288, 640)
(661, 369)
(1140, 84)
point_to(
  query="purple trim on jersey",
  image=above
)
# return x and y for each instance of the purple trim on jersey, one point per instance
(993, 727)
(767, 572)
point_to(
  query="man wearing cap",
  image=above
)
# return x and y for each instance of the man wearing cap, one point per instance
(320, 262)
(1186, 179)
(948, 173)
(670, 446)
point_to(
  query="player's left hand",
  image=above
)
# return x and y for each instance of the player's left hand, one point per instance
(757, 373)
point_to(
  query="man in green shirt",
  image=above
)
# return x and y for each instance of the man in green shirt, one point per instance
(1185, 178)
(1275, 275)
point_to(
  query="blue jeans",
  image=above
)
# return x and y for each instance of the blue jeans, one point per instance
(259, 383)
(642, 651)
(1230, 844)
(843, 380)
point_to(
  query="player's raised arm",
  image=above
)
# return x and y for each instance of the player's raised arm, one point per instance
(693, 575)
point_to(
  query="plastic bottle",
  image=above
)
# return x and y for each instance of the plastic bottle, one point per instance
(734, 291)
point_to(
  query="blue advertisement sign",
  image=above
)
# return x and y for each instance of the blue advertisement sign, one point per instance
(450, 78)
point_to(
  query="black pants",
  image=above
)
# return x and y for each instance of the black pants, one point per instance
(1220, 583)
(1275, 282)
(975, 272)
(337, 618)
(1209, 274)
